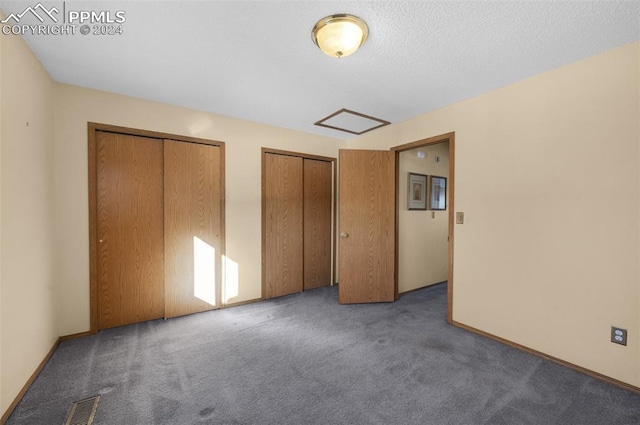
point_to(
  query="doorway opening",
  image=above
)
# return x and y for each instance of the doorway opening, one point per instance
(425, 214)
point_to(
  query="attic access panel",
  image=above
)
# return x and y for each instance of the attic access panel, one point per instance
(351, 122)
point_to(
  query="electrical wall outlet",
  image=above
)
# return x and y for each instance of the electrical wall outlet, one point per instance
(618, 335)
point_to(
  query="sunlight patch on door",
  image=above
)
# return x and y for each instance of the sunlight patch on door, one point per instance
(204, 271)
(231, 279)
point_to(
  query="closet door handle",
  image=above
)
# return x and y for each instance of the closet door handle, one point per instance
(344, 235)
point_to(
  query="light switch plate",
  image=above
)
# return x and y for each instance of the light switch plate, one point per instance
(459, 218)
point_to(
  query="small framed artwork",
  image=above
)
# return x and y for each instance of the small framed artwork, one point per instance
(417, 192)
(437, 193)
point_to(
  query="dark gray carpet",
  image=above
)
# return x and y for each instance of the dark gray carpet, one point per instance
(305, 359)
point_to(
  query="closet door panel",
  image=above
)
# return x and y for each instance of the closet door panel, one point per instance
(317, 223)
(283, 233)
(192, 227)
(130, 253)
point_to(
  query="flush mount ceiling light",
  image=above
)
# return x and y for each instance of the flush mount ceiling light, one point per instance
(339, 35)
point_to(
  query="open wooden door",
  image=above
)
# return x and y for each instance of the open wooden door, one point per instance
(367, 210)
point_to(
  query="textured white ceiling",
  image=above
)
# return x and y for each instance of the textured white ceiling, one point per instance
(255, 59)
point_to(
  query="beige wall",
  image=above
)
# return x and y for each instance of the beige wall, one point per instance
(2, 403)
(422, 235)
(547, 173)
(75, 106)
(28, 328)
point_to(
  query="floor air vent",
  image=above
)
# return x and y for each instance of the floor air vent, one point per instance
(83, 411)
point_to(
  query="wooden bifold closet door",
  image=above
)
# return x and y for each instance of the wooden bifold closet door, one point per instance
(283, 221)
(191, 227)
(317, 223)
(130, 229)
(297, 218)
(159, 228)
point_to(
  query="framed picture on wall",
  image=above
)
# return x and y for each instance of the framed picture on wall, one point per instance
(417, 192)
(437, 193)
